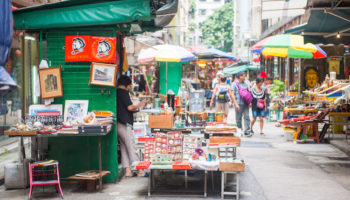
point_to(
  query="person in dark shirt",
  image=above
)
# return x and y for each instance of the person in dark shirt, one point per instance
(125, 120)
(142, 84)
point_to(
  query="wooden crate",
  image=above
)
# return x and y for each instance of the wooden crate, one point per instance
(160, 121)
(232, 167)
(19, 133)
(226, 140)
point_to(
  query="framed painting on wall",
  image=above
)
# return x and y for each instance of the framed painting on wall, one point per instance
(103, 74)
(50, 82)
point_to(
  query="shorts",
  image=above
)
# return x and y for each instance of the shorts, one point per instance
(259, 113)
(221, 107)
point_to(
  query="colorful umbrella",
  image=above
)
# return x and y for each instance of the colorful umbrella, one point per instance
(294, 53)
(165, 53)
(285, 45)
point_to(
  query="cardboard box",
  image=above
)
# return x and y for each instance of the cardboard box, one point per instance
(232, 166)
(160, 121)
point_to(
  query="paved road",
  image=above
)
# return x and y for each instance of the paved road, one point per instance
(276, 170)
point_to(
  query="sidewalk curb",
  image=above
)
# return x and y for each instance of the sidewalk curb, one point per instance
(342, 145)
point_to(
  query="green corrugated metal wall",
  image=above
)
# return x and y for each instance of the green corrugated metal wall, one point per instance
(77, 154)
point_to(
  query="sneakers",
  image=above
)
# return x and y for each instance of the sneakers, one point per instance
(248, 134)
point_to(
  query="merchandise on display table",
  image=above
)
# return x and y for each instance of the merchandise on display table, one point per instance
(190, 143)
(175, 145)
(197, 101)
(47, 120)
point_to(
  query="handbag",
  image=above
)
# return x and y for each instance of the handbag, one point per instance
(244, 94)
(260, 103)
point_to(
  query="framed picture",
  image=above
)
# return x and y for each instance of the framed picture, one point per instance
(103, 74)
(75, 110)
(38, 109)
(50, 82)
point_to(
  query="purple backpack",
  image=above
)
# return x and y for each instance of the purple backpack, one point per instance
(245, 94)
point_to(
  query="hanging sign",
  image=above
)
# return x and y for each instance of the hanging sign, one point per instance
(103, 49)
(77, 48)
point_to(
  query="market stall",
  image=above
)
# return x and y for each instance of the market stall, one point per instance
(84, 54)
(186, 138)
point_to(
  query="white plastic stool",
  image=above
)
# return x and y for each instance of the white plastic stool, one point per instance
(224, 184)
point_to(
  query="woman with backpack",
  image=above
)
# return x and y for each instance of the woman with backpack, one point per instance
(222, 94)
(259, 107)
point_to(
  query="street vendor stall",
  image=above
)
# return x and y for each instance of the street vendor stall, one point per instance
(84, 54)
(188, 139)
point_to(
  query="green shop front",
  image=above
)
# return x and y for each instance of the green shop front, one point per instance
(49, 24)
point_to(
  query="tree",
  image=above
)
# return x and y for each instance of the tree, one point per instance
(217, 29)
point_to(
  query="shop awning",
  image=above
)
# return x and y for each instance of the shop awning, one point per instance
(296, 29)
(242, 68)
(87, 13)
(213, 53)
(325, 23)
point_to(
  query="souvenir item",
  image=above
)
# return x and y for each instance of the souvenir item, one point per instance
(103, 74)
(103, 49)
(50, 82)
(77, 48)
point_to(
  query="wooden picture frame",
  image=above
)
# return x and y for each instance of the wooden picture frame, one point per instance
(103, 74)
(50, 82)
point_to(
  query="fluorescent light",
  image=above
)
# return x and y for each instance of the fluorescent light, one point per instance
(30, 38)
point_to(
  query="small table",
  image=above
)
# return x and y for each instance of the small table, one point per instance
(151, 183)
(71, 135)
(91, 181)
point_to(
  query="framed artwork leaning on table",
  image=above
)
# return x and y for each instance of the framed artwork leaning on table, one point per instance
(103, 74)
(50, 82)
(75, 110)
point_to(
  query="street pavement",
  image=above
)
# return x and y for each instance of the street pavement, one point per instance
(275, 170)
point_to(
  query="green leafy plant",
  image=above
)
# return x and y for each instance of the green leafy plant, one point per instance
(217, 29)
(192, 27)
(276, 88)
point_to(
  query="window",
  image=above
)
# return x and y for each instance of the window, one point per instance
(217, 0)
(202, 11)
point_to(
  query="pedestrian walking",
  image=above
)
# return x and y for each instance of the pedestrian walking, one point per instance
(142, 84)
(240, 90)
(266, 86)
(259, 107)
(222, 94)
(125, 122)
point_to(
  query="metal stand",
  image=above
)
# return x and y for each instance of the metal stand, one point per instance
(100, 163)
(151, 185)
(224, 184)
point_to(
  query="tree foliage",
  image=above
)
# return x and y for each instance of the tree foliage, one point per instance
(217, 29)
